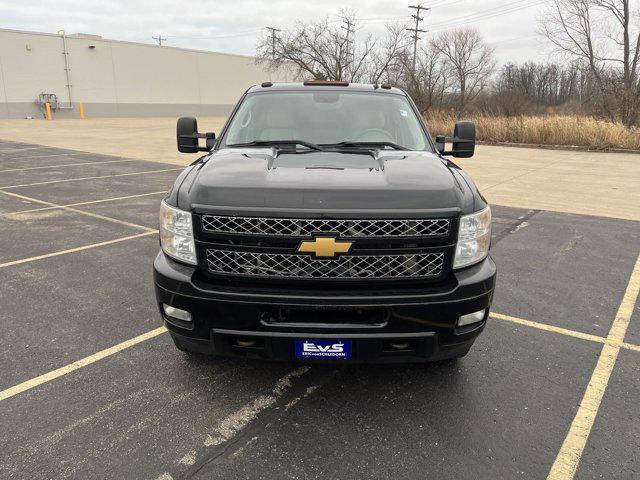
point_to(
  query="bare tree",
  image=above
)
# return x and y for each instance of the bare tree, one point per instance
(469, 60)
(540, 84)
(457, 64)
(321, 50)
(429, 81)
(602, 34)
(387, 58)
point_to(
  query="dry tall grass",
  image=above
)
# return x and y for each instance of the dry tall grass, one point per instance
(562, 130)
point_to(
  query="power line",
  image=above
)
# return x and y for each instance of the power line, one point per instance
(446, 4)
(369, 20)
(485, 12)
(416, 30)
(242, 33)
(159, 39)
(494, 12)
(508, 40)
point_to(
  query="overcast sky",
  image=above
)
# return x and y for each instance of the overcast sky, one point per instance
(233, 26)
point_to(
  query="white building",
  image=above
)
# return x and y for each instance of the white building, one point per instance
(116, 78)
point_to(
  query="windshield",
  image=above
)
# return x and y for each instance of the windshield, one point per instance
(326, 117)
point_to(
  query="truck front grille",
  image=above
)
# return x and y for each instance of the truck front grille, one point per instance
(251, 264)
(290, 227)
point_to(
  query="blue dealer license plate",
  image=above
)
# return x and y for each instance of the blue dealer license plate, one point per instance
(311, 348)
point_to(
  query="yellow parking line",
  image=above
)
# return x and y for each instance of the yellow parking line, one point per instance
(29, 384)
(65, 165)
(110, 219)
(91, 178)
(44, 155)
(30, 199)
(568, 459)
(630, 346)
(83, 362)
(20, 149)
(78, 204)
(549, 328)
(77, 249)
(565, 331)
(75, 210)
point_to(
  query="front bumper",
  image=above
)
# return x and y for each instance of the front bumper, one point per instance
(425, 319)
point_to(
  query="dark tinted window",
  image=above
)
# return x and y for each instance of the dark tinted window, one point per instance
(325, 117)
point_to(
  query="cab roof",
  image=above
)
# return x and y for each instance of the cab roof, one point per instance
(325, 85)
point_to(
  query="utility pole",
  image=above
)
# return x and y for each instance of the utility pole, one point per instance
(348, 27)
(274, 32)
(159, 39)
(416, 30)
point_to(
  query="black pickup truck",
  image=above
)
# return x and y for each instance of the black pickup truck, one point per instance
(324, 224)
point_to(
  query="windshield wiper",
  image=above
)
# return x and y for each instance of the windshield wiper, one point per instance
(275, 143)
(392, 145)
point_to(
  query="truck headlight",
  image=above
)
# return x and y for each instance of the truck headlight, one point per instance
(176, 234)
(474, 238)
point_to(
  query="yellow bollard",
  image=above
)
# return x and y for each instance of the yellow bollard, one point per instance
(81, 110)
(47, 107)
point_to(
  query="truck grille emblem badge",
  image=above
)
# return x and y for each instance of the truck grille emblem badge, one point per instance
(324, 247)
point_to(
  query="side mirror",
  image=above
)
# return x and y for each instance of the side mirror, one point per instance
(463, 140)
(187, 136)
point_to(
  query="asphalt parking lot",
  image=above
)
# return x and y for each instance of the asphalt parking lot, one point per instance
(92, 387)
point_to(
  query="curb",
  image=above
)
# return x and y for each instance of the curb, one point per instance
(577, 148)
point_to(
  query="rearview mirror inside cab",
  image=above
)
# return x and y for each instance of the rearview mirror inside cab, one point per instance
(463, 141)
(187, 136)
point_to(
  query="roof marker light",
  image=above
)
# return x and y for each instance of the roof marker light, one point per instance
(326, 83)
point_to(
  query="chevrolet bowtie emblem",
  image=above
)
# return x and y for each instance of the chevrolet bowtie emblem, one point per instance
(324, 247)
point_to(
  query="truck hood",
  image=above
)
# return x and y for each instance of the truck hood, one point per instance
(260, 179)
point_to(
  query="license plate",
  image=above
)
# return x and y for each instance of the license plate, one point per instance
(313, 348)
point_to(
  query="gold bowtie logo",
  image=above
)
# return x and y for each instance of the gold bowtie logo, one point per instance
(325, 247)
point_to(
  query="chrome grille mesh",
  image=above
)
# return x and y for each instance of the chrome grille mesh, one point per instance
(437, 227)
(228, 262)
